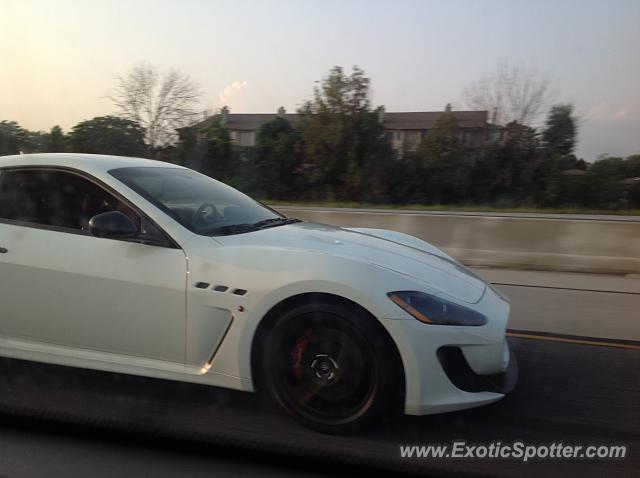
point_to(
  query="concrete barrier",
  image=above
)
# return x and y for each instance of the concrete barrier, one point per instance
(602, 244)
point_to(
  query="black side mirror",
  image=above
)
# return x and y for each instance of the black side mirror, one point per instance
(113, 225)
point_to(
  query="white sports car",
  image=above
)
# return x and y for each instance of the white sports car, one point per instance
(142, 267)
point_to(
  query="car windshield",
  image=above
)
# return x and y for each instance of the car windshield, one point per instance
(201, 204)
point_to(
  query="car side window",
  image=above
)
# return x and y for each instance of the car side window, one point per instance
(55, 199)
(65, 200)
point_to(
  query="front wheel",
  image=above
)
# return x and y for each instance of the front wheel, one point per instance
(329, 367)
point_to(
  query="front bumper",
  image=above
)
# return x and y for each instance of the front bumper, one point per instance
(451, 368)
(457, 369)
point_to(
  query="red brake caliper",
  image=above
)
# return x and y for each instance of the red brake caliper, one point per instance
(297, 351)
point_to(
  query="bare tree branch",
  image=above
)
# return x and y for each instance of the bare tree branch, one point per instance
(512, 93)
(159, 104)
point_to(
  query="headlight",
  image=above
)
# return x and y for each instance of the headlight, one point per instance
(434, 310)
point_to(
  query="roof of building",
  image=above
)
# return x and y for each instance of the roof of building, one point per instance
(418, 120)
(253, 121)
(426, 119)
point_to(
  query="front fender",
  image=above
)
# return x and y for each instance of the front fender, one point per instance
(271, 276)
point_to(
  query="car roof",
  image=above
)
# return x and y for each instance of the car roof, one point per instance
(92, 163)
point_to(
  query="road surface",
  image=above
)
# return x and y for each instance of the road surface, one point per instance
(591, 305)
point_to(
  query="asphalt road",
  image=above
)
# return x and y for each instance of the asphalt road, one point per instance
(591, 305)
(580, 394)
(578, 390)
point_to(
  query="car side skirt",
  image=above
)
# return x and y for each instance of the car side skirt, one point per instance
(117, 363)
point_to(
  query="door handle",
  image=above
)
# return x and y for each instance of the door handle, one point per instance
(3, 250)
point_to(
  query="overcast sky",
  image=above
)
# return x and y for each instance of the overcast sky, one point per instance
(60, 58)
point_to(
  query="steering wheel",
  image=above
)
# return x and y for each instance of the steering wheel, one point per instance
(206, 216)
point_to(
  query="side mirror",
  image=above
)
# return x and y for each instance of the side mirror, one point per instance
(113, 225)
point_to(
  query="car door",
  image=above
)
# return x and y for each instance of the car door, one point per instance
(62, 286)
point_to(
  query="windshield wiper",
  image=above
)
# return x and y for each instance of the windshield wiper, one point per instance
(275, 221)
(245, 227)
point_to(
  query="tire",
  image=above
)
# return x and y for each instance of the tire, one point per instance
(330, 367)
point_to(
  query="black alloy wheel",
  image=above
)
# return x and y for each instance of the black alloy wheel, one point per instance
(330, 367)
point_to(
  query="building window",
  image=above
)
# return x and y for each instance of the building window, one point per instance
(412, 139)
(245, 138)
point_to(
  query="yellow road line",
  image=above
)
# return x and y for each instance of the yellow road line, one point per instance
(573, 341)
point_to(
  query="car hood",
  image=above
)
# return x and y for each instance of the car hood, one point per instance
(400, 253)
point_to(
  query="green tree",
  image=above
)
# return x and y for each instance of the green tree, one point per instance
(108, 135)
(56, 140)
(560, 130)
(510, 173)
(277, 160)
(442, 139)
(605, 188)
(445, 164)
(13, 138)
(208, 150)
(559, 139)
(632, 166)
(343, 141)
(530, 170)
(632, 173)
(36, 142)
(219, 159)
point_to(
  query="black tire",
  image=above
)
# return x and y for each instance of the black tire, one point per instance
(330, 367)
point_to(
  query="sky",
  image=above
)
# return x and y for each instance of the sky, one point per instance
(59, 58)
